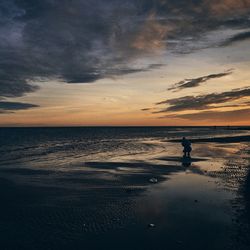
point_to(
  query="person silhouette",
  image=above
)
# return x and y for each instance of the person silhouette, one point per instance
(186, 147)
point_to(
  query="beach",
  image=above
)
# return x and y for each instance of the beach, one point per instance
(124, 188)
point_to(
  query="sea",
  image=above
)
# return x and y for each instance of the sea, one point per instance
(62, 147)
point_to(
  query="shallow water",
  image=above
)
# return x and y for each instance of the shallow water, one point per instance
(61, 146)
(190, 212)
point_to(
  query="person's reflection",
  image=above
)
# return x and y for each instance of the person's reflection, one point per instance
(186, 162)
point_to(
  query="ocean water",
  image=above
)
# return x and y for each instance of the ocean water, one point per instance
(63, 147)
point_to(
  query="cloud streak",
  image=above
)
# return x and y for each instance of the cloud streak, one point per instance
(237, 115)
(195, 82)
(6, 107)
(243, 36)
(146, 109)
(202, 102)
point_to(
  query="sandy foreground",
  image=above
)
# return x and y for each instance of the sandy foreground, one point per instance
(150, 201)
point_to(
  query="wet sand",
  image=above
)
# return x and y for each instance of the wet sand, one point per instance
(200, 204)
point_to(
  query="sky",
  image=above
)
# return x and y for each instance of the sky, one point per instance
(124, 62)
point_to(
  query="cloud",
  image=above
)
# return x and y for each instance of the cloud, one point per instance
(203, 102)
(6, 107)
(77, 41)
(71, 41)
(195, 82)
(228, 7)
(237, 38)
(152, 35)
(236, 115)
(146, 109)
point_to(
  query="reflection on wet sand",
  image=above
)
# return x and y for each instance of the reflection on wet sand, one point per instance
(186, 162)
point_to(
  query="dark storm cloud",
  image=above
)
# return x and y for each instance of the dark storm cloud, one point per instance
(203, 102)
(237, 115)
(79, 41)
(195, 82)
(13, 106)
(238, 38)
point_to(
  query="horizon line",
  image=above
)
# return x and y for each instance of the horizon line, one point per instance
(124, 126)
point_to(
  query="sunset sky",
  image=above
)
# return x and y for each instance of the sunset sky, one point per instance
(118, 62)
